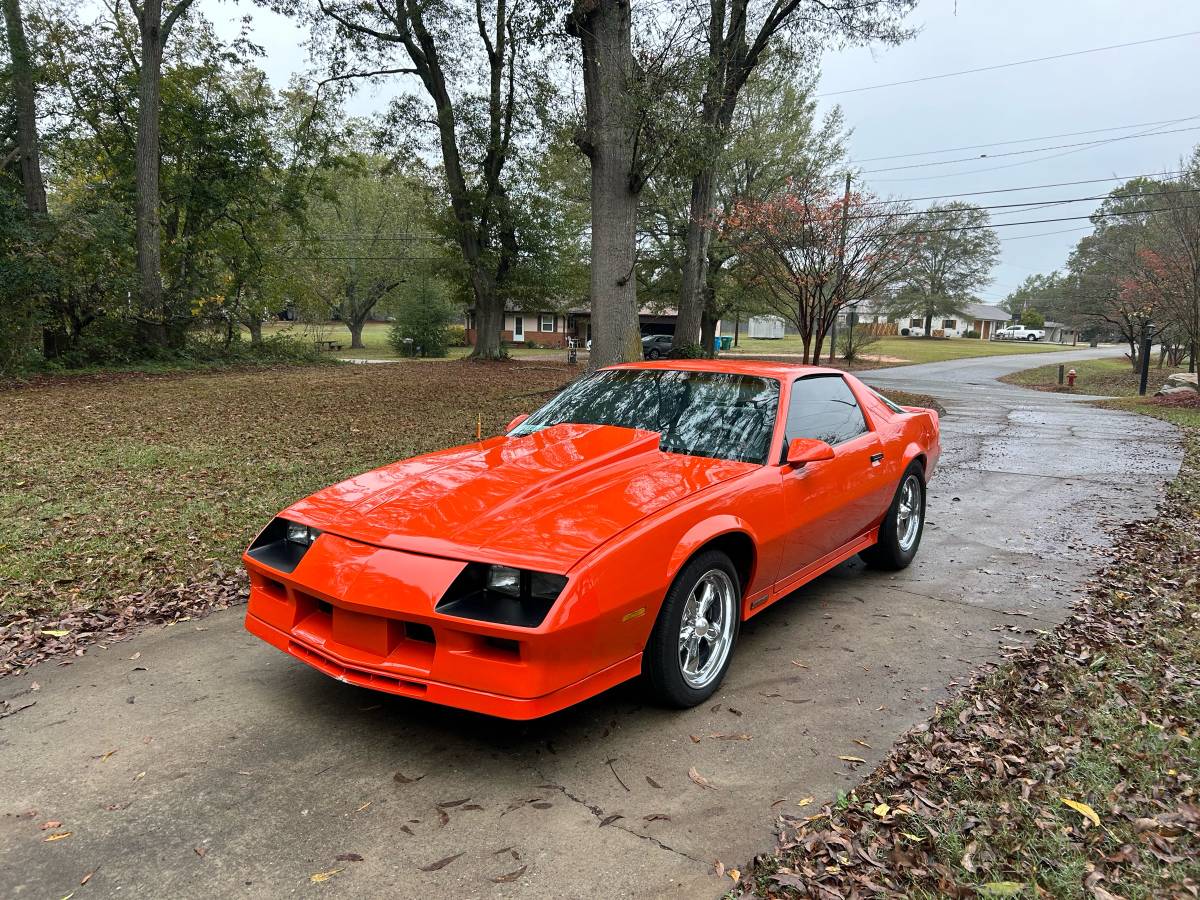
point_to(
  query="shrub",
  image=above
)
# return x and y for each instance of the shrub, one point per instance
(422, 326)
(1031, 318)
(971, 333)
(456, 336)
(853, 341)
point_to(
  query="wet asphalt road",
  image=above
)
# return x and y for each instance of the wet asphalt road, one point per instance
(214, 765)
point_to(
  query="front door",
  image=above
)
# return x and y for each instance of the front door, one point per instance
(518, 328)
(830, 503)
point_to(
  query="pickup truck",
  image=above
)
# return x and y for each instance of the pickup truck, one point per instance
(1019, 333)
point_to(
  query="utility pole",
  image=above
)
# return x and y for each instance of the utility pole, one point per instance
(841, 285)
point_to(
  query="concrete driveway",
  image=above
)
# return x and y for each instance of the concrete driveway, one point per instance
(195, 761)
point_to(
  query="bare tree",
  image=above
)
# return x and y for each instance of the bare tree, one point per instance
(26, 108)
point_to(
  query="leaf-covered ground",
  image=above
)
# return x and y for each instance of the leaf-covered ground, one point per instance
(120, 485)
(129, 498)
(1070, 771)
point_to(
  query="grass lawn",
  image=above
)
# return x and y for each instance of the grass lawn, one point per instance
(119, 485)
(1106, 377)
(906, 350)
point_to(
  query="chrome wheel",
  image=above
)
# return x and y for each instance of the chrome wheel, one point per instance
(706, 628)
(908, 513)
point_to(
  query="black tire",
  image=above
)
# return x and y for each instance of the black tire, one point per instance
(661, 662)
(653, 353)
(1031, 337)
(895, 550)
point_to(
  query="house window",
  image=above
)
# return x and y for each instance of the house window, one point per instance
(915, 323)
(546, 322)
(950, 324)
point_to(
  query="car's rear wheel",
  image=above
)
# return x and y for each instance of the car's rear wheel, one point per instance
(697, 628)
(653, 353)
(903, 525)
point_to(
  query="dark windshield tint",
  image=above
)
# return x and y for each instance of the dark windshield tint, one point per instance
(715, 414)
(823, 407)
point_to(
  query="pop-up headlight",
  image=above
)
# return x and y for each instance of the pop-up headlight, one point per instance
(282, 544)
(502, 594)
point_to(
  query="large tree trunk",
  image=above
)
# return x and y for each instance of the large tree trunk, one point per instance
(603, 28)
(356, 330)
(695, 260)
(26, 109)
(146, 162)
(254, 324)
(489, 319)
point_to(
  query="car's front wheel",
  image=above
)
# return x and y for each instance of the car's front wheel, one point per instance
(693, 639)
(653, 353)
(900, 533)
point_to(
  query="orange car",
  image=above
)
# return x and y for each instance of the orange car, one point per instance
(626, 528)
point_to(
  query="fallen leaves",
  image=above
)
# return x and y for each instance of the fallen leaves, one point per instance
(852, 759)
(324, 876)
(509, 877)
(58, 836)
(401, 778)
(1083, 809)
(441, 863)
(700, 779)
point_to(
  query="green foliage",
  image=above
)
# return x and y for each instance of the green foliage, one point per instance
(456, 336)
(971, 333)
(1031, 318)
(954, 260)
(422, 325)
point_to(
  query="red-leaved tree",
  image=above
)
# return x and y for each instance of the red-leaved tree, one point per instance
(812, 253)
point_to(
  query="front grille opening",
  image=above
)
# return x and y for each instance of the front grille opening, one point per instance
(415, 631)
(325, 607)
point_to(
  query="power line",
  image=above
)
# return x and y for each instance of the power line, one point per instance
(1045, 137)
(1038, 187)
(1008, 65)
(1080, 144)
(1036, 204)
(1021, 237)
(1014, 165)
(1060, 219)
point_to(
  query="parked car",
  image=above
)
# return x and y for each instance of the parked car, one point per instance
(626, 528)
(1019, 333)
(912, 331)
(656, 346)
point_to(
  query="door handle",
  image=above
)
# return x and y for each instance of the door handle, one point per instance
(876, 458)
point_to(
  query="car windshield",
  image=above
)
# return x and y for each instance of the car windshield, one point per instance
(715, 414)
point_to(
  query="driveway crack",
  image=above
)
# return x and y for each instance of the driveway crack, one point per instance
(600, 816)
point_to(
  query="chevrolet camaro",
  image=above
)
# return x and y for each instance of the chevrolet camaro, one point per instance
(627, 528)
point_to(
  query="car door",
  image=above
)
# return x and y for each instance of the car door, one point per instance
(829, 503)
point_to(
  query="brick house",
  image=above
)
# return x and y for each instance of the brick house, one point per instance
(549, 328)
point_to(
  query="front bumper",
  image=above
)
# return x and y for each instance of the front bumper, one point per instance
(485, 702)
(366, 616)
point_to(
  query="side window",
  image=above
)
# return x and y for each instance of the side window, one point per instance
(823, 407)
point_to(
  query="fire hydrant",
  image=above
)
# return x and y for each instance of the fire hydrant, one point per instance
(1071, 378)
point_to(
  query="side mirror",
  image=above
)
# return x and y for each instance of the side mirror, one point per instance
(807, 450)
(515, 422)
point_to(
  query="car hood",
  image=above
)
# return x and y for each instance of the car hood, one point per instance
(542, 501)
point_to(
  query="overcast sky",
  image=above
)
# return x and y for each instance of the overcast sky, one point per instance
(1152, 83)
